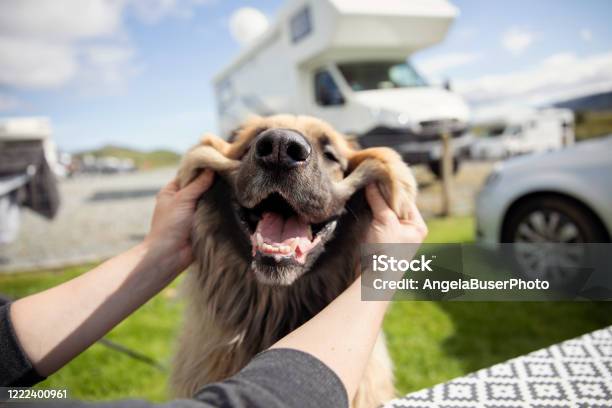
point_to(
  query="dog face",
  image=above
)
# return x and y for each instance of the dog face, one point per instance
(290, 178)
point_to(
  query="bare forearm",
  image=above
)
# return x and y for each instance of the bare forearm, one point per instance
(335, 337)
(56, 325)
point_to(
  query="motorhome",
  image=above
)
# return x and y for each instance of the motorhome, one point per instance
(505, 132)
(19, 133)
(28, 160)
(346, 61)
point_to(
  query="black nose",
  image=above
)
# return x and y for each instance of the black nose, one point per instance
(281, 148)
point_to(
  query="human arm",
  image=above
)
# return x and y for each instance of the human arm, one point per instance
(343, 334)
(56, 325)
(278, 378)
(322, 362)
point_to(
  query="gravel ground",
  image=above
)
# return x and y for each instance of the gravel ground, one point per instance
(464, 188)
(103, 215)
(99, 216)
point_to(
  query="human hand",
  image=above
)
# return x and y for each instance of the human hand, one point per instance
(168, 241)
(386, 227)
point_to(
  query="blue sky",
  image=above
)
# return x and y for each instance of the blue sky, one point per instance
(138, 72)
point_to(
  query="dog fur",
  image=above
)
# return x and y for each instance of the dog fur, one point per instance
(230, 315)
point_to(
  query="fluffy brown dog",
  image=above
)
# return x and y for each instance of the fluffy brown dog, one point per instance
(276, 239)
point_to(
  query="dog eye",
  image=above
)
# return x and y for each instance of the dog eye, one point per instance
(330, 156)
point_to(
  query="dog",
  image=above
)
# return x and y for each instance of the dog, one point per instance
(276, 239)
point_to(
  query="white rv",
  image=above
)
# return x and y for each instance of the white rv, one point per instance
(16, 132)
(345, 61)
(504, 132)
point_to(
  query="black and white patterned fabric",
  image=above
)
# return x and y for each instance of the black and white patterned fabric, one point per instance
(574, 374)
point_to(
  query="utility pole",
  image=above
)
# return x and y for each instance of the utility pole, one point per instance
(447, 173)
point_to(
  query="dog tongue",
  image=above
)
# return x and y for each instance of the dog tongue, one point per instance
(275, 229)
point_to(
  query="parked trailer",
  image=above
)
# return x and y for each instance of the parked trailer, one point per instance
(345, 61)
(504, 133)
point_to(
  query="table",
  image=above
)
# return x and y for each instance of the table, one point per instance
(576, 373)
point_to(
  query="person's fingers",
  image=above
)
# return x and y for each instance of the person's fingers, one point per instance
(377, 203)
(416, 218)
(198, 186)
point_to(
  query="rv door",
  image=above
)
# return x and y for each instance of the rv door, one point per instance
(328, 101)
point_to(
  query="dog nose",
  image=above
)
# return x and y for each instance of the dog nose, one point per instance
(281, 148)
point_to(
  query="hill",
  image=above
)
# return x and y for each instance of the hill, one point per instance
(593, 114)
(142, 159)
(592, 103)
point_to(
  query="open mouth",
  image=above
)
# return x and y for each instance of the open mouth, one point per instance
(278, 232)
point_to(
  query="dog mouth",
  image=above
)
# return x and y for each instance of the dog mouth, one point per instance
(278, 233)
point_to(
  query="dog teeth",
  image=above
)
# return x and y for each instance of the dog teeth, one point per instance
(276, 249)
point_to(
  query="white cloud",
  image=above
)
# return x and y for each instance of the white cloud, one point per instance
(586, 34)
(246, 24)
(8, 102)
(60, 19)
(516, 40)
(28, 63)
(48, 44)
(439, 64)
(106, 64)
(152, 11)
(560, 76)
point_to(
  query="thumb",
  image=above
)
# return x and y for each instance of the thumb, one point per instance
(377, 203)
(198, 186)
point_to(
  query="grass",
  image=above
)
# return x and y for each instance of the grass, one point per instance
(143, 160)
(593, 124)
(454, 229)
(101, 373)
(430, 342)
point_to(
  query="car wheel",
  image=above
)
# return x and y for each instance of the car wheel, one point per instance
(536, 223)
(551, 219)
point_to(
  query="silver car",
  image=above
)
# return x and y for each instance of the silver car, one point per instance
(563, 196)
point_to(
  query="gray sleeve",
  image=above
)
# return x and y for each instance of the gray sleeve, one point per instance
(279, 378)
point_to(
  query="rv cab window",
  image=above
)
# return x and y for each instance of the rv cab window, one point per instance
(365, 76)
(327, 92)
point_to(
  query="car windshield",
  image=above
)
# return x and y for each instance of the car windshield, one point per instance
(364, 76)
(495, 131)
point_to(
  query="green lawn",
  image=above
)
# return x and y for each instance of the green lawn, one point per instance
(429, 342)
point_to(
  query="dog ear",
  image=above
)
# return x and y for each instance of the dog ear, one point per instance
(211, 153)
(217, 154)
(385, 167)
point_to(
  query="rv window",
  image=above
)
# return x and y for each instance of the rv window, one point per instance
(301, 25)
(492, 131)
(327, 92)
(364, 76)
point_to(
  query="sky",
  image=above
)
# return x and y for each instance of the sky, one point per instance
(138, 72)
